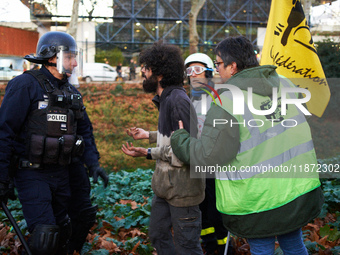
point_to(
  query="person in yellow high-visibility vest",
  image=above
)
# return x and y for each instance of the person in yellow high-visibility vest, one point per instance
(265, 186)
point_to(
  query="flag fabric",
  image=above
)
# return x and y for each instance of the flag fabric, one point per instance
(289, 46)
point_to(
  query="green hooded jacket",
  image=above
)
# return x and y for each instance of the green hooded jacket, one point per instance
(220, 144)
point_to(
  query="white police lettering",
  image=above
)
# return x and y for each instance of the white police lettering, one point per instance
(57, 117)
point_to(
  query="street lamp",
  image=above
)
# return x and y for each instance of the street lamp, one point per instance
(86, 34)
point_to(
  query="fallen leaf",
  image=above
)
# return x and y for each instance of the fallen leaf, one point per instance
(135, 247)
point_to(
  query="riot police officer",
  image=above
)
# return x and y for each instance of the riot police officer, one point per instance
(45, 140)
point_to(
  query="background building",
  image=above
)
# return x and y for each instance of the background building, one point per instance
(122, 28)
(18, 34)
(325, 21)
(134, 24)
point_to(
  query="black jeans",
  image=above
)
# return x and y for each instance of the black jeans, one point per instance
(186, 224)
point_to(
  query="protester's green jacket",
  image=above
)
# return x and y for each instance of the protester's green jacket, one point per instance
(219, 145)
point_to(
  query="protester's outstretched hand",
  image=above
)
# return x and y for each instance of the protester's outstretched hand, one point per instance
(137, 133)
(132, 151)
(96, 171)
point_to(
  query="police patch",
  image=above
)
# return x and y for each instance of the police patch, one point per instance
(57, 117)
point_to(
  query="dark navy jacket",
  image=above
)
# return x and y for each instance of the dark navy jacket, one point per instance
(175, 105)
(23, 94)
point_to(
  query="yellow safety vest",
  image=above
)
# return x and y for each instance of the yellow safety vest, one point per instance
(276, 162)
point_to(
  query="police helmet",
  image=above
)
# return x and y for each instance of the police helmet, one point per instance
(201, 58)
(50, 44)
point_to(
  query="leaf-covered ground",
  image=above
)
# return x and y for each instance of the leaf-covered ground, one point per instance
(123, 218)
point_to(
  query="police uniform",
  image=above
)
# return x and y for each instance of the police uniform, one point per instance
(42, 171)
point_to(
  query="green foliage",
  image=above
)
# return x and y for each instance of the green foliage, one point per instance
(15, 208)
(332, 233)
(329, 55)
(331, 190)
(325, 137)
(119, 88)
(336, 250)
(312, 246)
(113, 56)
(125, 204)
(99, 252)
(332, 112)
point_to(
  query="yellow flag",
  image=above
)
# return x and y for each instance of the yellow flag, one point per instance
(289, 46)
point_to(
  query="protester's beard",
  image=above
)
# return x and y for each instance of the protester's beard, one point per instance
(150, 84)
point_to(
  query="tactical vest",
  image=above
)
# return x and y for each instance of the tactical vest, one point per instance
(51, 129)
(274, 163)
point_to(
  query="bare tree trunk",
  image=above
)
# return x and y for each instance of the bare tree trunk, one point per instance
(72, 30)
(307, 4)
(196, 6)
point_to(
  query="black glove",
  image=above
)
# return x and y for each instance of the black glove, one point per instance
(7, 191)
(95, 171)
(11, 193)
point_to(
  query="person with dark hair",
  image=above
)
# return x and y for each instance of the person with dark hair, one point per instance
(257, 200)
(177, 196)
(199, 69)
(46, 137)
(119, 72)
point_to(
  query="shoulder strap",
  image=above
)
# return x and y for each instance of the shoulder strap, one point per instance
(45, 84)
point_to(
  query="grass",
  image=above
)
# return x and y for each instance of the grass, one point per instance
(112, 109)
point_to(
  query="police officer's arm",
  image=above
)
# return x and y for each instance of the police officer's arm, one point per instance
(14, 109)
(218, 144)
(91, 154)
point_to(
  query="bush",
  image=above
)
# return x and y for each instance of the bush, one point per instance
(329, 55)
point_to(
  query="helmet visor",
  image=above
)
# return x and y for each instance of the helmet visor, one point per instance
(70, 61)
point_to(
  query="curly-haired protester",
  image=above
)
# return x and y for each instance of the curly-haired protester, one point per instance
(259, 198)
(177, 196)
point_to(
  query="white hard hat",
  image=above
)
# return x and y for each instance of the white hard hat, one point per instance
(199, 58)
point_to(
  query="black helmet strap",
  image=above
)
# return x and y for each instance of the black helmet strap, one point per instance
(51, 64)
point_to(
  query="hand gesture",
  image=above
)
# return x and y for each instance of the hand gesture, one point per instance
(132, 151)
(137, 133)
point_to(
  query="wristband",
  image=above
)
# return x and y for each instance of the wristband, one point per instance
(148, 156)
